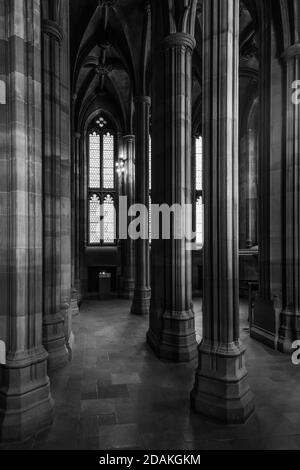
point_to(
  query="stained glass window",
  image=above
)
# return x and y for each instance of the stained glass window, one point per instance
(94, 166)
(101, 180)
(108, 161)
(94, 209)
(109, 220)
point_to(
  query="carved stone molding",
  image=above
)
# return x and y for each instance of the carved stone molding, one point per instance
(180, 39)
(53, 30)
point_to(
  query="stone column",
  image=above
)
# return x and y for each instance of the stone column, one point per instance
(129, 262)
(25, 401)
(251, 213)
(267, 308)
(65, 225)
(221, 390)
(172, 324)
(290, 316)
(142, 292)
(75, 300)
(53, 321)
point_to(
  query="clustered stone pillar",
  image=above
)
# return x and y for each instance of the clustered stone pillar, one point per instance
(142, 292)
(221, 390)
(25, 401)
(77, 283)
(290, 317)
(267, 306)
(129, 263)
(53, 323)
(172, 324)
(66, 226)
(75, 301)
(56, 199)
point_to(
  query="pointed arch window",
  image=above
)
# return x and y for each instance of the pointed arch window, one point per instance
(101, 187)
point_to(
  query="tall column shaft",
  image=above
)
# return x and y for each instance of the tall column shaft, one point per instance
(265, 312)
(129, 262)
(66, 226)
(53, 322)
(173, 336)
(221, 390)
(290, 317)
(25, 401)
(75, 301)
(251, 212)
(142, 292)
(77, 212)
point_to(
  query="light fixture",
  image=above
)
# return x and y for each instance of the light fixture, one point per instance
(120, 166)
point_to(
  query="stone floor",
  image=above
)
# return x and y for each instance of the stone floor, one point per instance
(116, 394)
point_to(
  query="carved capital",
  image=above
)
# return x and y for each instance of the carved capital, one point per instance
(180, 40)
(129, 138)
(53, 30)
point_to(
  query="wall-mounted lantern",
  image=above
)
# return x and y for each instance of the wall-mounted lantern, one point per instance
(121, 167)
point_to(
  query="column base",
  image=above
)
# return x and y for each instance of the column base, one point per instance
(141, 302)
(26, 406)
(289, 331)
(66, 312)
(221, 390)
(74, 303)
(177, 340)
(58, 358)
(77, 287)
(128, 289)
(55, 342)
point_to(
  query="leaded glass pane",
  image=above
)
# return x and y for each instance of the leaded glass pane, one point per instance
(94, 231)
(199, 164)
(108, 162)
(199, 221)
(109, 220)
(94, 160)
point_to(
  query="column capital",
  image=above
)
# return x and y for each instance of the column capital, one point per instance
(291, 52)
(53, 30)
(77, 135)
(129, 137)
(142, 99)
(180, 39)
